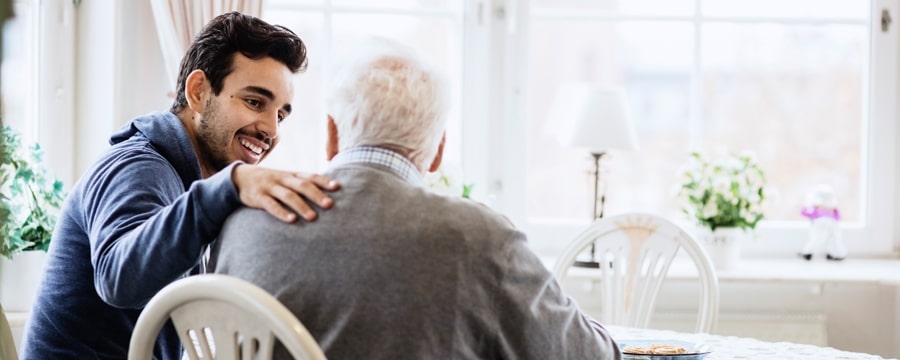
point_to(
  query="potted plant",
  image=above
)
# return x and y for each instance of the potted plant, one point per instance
(725, 196)
(447, 180)
(30, 200)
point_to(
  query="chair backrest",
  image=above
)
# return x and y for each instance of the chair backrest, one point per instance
(221, 317)
(7, 344)
(635, 251)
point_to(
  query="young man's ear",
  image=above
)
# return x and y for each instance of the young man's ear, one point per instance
(196, 91)
(436, 163)
(331, 147)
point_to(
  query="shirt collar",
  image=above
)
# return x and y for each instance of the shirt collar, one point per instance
(393, 161)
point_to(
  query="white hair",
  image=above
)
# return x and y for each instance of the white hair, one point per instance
(388, 96)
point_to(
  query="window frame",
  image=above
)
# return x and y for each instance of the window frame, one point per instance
(51, 113)
(492, 97)
(327, 55)
(872, 236)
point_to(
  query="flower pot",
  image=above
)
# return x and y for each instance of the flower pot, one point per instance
(724, 247)
(19, 280)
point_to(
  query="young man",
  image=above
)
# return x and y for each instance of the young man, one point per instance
(142, 215)
(394, 271)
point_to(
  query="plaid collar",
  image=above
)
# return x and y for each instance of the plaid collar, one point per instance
(393, 161)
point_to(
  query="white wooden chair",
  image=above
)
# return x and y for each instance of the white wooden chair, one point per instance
(7, 344)
(221, 317)
(634, 252)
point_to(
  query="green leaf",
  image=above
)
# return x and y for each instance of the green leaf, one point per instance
(467, 190)
(31, 197)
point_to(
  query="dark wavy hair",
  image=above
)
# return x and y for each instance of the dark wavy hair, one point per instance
(213, 50)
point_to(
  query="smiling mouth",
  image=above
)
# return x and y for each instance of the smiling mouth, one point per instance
(255, 149)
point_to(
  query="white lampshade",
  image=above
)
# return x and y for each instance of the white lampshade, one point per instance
(594, 117)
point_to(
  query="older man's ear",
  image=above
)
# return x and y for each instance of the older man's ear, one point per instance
(440, 154)
(331, 147)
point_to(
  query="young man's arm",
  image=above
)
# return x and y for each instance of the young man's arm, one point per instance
(146, 231)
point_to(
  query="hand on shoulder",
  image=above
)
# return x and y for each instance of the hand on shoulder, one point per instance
(284, 194)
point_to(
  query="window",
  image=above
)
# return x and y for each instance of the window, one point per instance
(809, 86)
(329, 28)
(19, 71)
(38, 77)
(795, 82)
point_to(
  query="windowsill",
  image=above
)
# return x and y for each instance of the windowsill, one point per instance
(775, 240)
(876, 271)
(851, 270)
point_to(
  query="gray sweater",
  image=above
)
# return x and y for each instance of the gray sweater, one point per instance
(395, 272)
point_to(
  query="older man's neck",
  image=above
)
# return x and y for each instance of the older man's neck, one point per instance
(405, 153)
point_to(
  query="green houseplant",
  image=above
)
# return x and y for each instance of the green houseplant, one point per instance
(725, 196)
(30, 198)
(726, 192)
(447, 180)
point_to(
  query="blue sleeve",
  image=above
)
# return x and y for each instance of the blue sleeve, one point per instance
(145, 230)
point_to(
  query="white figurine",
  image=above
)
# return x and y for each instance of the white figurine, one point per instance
(822, 211)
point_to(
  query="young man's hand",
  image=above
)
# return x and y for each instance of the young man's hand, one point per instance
(282, 193)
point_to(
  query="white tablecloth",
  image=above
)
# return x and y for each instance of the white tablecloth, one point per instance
(731, 347)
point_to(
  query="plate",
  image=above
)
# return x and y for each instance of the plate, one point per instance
(698, 350)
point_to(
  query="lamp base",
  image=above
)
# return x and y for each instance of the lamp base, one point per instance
(587, 264)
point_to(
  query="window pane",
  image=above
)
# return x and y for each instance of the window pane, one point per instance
(652, 61)
(852, 9)
(440, 39)
(794, 95)
(303, 144)
(629, 7)
(368, 4)
(402, 4)
(269, 4)
(18, 72)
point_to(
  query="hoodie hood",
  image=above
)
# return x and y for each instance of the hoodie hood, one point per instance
(165, 132)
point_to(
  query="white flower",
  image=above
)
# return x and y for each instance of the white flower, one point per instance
(753, 198)
(710, 210)
(448, 181)
(748, 217)
(444, 181)
(730, 198)
(723, 185)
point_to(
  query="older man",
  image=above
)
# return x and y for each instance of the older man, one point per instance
(394, 271)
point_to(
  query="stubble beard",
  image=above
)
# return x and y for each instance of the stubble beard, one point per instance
(213, 138)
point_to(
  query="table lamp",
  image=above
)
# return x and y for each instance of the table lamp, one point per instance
(593, 117)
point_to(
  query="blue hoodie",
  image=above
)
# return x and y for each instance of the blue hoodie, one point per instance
(137, 220)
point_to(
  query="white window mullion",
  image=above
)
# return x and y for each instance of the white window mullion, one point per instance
(508, 97)
(476, 101)
(328, 46)
(696, 110)
(56, 86)
(882, 132)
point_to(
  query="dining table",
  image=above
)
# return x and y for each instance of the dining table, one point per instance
(734, 347)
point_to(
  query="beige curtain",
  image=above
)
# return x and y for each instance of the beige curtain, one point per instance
(178, 21)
